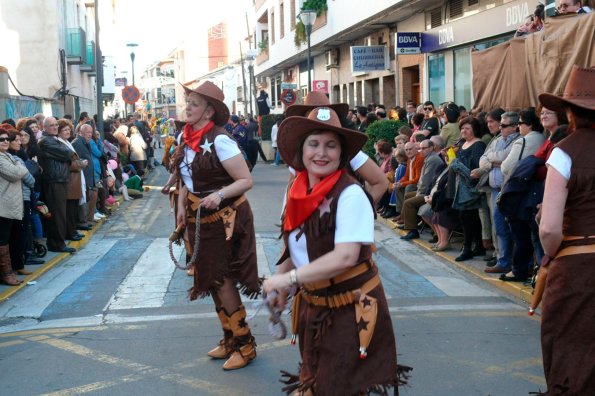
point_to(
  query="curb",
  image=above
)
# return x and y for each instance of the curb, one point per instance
(515, 289)
(42, 269)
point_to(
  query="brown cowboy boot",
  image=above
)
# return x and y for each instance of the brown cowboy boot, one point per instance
(225, 347)
(6, 274)
(244, 344)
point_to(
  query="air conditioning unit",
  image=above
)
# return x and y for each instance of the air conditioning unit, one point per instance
(332, 58)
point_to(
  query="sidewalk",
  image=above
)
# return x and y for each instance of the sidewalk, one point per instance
(474, 266)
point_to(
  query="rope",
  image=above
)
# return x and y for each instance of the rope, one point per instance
(196, 246)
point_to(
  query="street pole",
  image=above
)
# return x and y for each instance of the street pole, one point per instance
(99, 76)
(244, 89)
(132, 56)
(308, 32)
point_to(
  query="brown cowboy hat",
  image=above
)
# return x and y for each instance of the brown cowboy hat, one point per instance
(313, 100)
(579, 91)
(214, 95)
(294, 129)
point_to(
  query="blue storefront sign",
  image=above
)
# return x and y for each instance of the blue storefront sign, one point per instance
(408, 43)
(369, 58)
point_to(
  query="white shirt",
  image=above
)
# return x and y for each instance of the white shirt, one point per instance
(274, 131)
(225, 147)
(354, 223)
(561, 162)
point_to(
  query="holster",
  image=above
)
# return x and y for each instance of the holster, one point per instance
(227, 214)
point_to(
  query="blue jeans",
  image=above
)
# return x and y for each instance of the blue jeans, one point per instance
(277, 156)
(523, 247)
(502, 233)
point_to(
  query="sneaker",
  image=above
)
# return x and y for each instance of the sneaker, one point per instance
(97, 217)
(100, 215)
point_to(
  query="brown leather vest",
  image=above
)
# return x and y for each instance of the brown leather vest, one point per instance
(579, 213)
(320, 230)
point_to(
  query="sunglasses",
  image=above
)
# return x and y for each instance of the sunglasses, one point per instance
(507, 125)
(523, 123)
(4, 140)
(428, 108)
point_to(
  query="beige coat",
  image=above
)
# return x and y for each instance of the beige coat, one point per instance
(11, 191)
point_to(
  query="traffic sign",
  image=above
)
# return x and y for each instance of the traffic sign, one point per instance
(288, 97)
(130, 94)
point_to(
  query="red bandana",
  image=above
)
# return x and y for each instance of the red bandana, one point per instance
(193, 138)
(301, 204)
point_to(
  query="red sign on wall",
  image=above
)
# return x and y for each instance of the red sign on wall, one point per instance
(320, 85)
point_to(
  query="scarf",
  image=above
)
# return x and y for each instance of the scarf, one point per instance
(193, 138)
(68, 144)
(301, 203)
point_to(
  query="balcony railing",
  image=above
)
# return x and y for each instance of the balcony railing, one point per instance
(89, 63)
(75, 46)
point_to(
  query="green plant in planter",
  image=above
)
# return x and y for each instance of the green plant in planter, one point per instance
(386, 129)
(267, 123)
(319, 6)
(263, 45)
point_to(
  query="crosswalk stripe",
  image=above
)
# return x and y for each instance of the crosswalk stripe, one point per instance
(147, 283)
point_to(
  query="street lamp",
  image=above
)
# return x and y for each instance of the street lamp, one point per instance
(308, 17)
(132, 56)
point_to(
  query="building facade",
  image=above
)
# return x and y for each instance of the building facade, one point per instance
(440, 70)
(49, 54)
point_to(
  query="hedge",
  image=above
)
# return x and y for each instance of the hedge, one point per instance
(267, 124)
(386, 129)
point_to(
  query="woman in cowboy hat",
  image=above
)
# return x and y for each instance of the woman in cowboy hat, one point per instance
(361, 164)
(339, 311)
(567, 231)
(219, 224)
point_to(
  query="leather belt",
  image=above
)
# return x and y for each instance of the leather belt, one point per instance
(227, 214)
(349, 274)
(572, 250)
(576, 238)
(341, 299)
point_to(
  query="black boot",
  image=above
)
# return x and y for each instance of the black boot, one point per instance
(466, 254)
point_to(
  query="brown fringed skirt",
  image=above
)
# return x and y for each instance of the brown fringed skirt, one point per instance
(329, 348)
(220, 259)
(568, 326)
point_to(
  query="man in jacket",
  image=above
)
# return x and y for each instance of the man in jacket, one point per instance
(432, 167)
(55, 162)
(490, 162)
(83, 149)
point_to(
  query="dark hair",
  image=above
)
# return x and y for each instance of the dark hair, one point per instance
(83, 115)
(384, 147)
(9, 121)
(371, 117)
(530, 117)
(67, 117)
(581, 118)
(31, 121)
(429, 103)
(451, 114)
(363, 111)
(12, 134)
(420, 137)
(560, 133)
(462, 108)
(402, 113)
(417, 119)
(405, 130)
(393, 162)
(299, 154)
(539, 11)
(496, 114)
(475, 125)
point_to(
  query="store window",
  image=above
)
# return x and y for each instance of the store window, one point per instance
(462, 72)
(437, 78)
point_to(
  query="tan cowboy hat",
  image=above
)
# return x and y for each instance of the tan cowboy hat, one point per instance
(313, 100)
(214, 95)
(579, 91)
(293, 130)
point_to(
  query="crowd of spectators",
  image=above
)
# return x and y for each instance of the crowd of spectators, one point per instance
(455, 173)
(63, 179)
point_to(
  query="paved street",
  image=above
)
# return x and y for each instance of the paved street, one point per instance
(114, 319)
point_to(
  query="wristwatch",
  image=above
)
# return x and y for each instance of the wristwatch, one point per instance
(221, 195)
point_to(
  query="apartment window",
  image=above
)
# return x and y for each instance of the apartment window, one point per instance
(462, 71)
(436, 78)
(272, 26)
(281, 20)
(276, 91)
(292, 14)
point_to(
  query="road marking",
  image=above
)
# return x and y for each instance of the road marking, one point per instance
(140, 368)
(11, 343)
(95, 386)
(146, 285)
